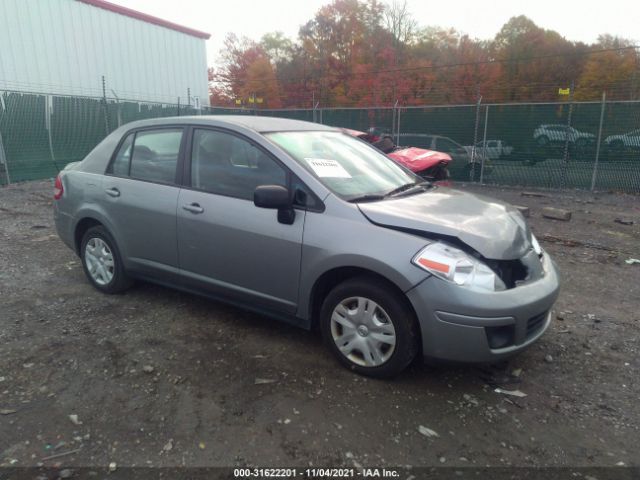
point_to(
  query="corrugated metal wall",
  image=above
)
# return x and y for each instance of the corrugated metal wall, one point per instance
(66, 46)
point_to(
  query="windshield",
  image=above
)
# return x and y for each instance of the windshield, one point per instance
(347, 166)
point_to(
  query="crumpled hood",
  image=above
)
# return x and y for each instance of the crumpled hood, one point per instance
(494, 229)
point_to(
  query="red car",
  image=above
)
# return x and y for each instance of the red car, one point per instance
(429, 164)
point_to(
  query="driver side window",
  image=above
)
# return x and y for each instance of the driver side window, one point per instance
(225, 164)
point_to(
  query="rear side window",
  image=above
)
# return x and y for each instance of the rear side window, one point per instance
(155, 155)
(120, 164)
(150, 155)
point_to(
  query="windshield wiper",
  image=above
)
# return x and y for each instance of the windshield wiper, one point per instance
(367, 198)
(402, 189)
(406, 187)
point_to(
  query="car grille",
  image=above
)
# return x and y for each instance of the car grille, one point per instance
(534, 324)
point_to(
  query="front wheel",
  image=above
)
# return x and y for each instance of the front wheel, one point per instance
(101, 261)
(370, 328)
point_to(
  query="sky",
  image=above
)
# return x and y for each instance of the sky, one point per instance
(577, 20)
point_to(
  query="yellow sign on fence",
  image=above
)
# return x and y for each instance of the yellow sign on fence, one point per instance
(564, 91)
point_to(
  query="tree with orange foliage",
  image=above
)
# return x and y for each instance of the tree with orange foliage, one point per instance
(614, 71)
(247, 73)
(366, 53)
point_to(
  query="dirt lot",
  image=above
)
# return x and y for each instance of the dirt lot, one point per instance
(161, 378)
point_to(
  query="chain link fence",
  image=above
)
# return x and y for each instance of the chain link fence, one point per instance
(585, 145)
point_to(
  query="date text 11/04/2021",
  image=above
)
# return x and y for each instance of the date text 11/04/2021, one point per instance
(315, 473)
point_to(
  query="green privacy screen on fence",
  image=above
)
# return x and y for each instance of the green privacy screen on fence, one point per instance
(554, 145)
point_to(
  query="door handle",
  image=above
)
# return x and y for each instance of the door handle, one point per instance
(193, 208)
(112, 192)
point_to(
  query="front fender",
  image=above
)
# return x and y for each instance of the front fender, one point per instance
(348, 239)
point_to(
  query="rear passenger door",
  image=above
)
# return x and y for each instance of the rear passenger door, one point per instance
(228, 246)
(140, 198)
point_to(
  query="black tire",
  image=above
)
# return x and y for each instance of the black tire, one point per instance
(120, 280)
(400, 314)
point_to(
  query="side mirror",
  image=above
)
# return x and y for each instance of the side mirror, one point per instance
(271, 196)
(277, 197)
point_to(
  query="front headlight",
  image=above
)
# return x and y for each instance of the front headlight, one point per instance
(456, 266)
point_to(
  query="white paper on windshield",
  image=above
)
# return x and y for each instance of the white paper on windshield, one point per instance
(324, 167)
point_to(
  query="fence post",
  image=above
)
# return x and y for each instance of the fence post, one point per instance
(398, 127)
(3, 161)
(104, 104)
(563, 177)
(48, 112)
(117, 107)
(178, 106)
(393, 122)
(484, 143)
(472, 170)
(595, 165)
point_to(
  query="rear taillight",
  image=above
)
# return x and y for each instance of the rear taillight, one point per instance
(58, 189)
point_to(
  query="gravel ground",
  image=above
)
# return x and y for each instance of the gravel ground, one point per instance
(155, 377)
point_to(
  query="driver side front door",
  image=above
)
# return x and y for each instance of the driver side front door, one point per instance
(226, 245)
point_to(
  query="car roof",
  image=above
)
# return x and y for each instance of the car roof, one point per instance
(257, 123)
(425, 135)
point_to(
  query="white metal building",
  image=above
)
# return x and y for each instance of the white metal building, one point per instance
(67, 46)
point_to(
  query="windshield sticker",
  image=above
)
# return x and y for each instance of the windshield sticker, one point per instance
(327, 168)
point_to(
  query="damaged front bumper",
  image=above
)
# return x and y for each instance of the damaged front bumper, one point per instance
(460, 324)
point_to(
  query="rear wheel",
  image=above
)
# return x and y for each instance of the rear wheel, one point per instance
(101, 261)
(370, 328)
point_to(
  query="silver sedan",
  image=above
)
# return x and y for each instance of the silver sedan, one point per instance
(304, 223)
